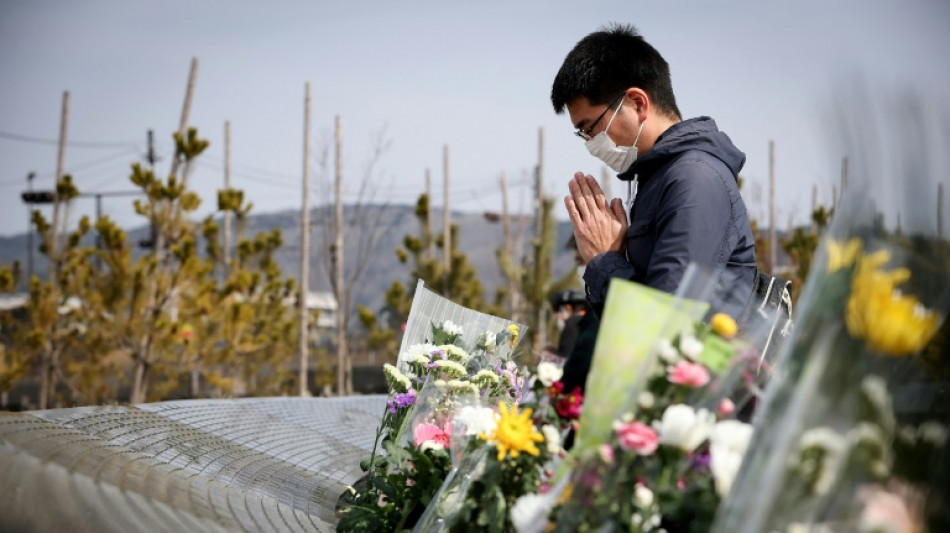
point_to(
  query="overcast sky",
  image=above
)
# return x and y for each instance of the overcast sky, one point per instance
(475, 76)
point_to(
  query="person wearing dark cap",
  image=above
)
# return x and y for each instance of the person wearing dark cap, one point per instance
(581, 352)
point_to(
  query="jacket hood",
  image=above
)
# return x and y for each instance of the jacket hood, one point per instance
(693, 134)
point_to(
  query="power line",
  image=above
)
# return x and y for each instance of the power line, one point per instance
(75, 144)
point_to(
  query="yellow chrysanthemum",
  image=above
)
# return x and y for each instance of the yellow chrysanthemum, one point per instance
(513, 330)
(890, 322)
(515, 433)
(842, 254)
(723, 325)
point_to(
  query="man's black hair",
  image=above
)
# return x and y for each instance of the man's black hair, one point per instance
(606, 63)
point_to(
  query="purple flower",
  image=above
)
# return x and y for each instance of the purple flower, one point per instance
(701, 460)
(401, 400)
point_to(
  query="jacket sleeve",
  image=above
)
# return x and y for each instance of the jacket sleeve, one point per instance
(601, 269)
(693, 222)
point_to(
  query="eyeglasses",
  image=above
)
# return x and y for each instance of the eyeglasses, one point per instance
(585, 133)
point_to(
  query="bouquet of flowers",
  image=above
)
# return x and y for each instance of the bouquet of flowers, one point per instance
(673, 453)
(433, 381)
(508, 450)
(855, 432)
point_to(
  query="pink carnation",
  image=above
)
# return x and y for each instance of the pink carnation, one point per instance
(726, 407)
(427, 432)
(638, 437)
(689, 374)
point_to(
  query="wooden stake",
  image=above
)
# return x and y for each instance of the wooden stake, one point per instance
(446, 225)
(227, 187)
(344, 374)
(60, 159)
(305, 249)
(773, 239)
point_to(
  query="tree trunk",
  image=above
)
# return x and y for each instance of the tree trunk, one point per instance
(45, 376)
(140, 384)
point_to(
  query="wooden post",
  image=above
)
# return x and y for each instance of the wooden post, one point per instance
(446, 225)
(509, 246)
(543, 262)
(940, 210)
(185, 111)
(60, 159)
(227, 187)
(344, 373)
(844, 175)
(773, 239)
(305, 249)
(429, 235)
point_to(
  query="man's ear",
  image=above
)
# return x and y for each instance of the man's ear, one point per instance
(639, 100)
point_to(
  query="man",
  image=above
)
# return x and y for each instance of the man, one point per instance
(569, 307)
(683, 204)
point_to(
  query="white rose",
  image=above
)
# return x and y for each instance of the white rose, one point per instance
(489, 342)
(685, 428)
(667, 352)
(727, 445)
(552, 439)
(691, 347)
(549, 372)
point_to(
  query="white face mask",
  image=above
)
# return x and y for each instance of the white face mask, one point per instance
(619, 158)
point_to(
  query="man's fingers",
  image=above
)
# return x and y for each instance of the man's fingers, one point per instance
(598, 192)
(579, 201)
(616, 205)
(572, 211)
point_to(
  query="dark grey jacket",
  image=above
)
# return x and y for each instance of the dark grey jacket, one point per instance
(688, 209)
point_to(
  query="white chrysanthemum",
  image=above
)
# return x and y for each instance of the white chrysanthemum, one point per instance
(871, 439)
(450, 367)
(451, 328)
(821, 451)
(666, 352)
(459, 386)
(727, 445)
(486, 377)
(454, 353)
(397, 380)
(549, 372)
(691, 347)
(419, 353)
(552, 439)
(477, 420)
(684, 427)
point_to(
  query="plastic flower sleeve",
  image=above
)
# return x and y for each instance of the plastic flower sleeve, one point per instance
(854, 432)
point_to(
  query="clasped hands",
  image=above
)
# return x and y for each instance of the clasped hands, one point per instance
(598, 227)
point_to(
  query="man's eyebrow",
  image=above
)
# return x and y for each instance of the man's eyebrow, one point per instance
(581, 123)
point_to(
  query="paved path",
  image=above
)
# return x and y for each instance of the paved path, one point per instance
(265, 464)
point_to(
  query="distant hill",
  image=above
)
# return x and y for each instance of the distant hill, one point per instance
(479, 238)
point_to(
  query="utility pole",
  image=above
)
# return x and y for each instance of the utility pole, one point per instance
(542, 262)
(185, 110)
(429, 234)
(814, 205)
(60, 158)
(150, 156)
(844, 175)
(29, 232)
(227, 187)
(344, 374)
(305, 248)
(940, 210)
(773, 239)
(509, 246)
(446, 225)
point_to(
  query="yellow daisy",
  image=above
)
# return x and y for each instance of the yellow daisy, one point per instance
(723, 325)
(515, 433)
(890, 322)
(513, 330)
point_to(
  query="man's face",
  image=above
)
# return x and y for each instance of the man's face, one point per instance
(584, 117)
